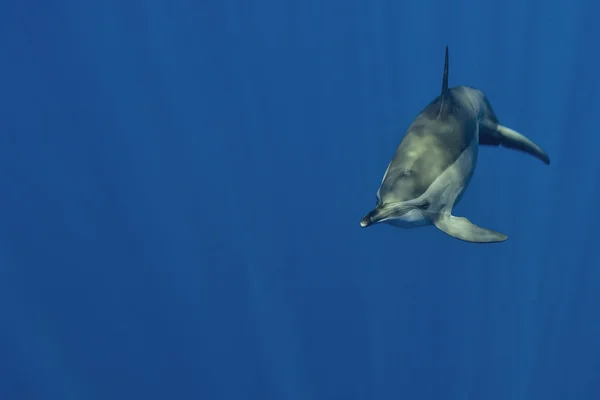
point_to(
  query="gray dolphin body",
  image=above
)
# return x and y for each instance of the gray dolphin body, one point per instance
(435, 160)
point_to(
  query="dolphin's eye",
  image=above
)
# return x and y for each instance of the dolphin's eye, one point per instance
(424, 206)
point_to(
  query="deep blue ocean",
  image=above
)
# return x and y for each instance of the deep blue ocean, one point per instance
(181, 185)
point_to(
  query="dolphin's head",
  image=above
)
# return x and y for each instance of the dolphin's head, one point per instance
(400, 200)
(405, 214)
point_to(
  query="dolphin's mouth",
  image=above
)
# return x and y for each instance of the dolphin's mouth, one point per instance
(378, 214)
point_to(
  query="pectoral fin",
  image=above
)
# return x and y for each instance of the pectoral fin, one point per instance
(493, 134)
(463, 229)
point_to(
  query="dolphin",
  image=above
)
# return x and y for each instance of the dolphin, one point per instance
(435, 161)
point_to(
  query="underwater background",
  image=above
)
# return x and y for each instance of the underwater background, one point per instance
(182, 184)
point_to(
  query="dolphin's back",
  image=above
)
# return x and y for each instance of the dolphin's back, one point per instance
(433, 142)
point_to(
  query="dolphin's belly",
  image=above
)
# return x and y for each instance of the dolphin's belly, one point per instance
(447, 189)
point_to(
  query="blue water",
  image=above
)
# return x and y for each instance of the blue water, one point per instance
(182, 184)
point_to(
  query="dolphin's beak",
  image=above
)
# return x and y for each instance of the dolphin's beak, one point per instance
(366, 221)
(371, 218)
(381, 213)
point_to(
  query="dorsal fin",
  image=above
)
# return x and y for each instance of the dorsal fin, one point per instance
(444, 96)
(445, 81)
